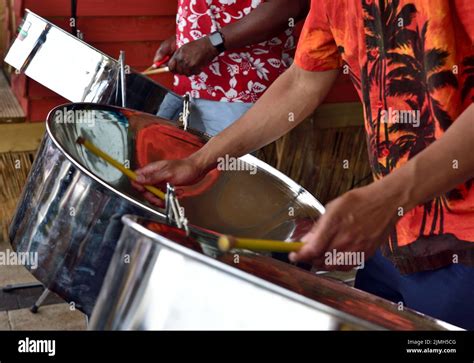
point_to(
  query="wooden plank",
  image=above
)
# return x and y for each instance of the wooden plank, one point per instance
(123, 29)
(337, 115)
(21, 137)
(126, 29)
(38, 110)
(47, 8)
(37, 91)
(19, 85)
(4, 26)
(126, 7)
(138, 54)
(10, 110)
(23, 86)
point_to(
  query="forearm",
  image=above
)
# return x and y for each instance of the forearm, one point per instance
(291, 98)
(266, 21)
(442, 166)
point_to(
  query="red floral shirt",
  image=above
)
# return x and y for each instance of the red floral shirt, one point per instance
(240, 75)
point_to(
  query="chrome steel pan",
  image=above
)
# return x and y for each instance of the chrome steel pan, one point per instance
(162, 280)
(72, 203)
(76, 70)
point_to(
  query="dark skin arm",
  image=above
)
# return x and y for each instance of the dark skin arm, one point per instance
(266, 21)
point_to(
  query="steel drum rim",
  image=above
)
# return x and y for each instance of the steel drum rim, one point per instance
(291, 184)
(83, 169)
(130, 221)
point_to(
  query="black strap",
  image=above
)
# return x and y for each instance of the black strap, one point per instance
(74, 17)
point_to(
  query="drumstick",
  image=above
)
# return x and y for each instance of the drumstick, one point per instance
(158, 64)
(156, 71)
(227, 243)
(129, 173)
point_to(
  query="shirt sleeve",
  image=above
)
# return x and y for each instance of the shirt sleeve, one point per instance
(317, 50)
(465, 13)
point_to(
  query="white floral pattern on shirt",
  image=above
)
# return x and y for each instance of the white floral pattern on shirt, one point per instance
(240, 75)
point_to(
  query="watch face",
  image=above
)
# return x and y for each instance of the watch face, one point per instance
(216, 39)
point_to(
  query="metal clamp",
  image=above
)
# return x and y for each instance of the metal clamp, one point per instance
(174, 211)
(186, 112)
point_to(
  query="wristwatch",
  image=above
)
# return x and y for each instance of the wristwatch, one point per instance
(217, 40)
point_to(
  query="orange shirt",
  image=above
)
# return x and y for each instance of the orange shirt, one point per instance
(412, 62)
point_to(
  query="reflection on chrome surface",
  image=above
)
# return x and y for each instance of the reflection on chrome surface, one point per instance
(72, 203)
(160, 279)
(76, 70)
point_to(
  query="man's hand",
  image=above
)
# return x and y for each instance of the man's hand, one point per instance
(176, 172)
(167, 48)
(358, 221)
(192, 57)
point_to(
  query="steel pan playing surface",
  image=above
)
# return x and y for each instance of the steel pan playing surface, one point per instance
(71, 206)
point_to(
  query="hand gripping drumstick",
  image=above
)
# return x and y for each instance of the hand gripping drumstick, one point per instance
(153, 69)
(227, 243)
(132, 175)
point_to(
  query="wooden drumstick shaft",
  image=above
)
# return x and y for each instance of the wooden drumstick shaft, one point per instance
(227, 243)
(149, 72)
(129, 173)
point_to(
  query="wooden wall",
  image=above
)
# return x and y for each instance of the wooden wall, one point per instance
(326, 154)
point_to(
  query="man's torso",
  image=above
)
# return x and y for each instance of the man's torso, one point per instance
(412, 63)
(241, 75)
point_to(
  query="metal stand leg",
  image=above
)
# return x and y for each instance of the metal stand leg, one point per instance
(37, 304)
(30, 285)
(86, 317)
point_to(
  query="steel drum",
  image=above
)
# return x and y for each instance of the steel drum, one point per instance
(72, 203)
(77, 71)
(161, 279)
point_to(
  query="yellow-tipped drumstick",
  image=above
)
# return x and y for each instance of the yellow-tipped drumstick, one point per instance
(227, 243)
(129, 173)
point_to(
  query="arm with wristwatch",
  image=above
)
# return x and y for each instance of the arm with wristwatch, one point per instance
(263, 23)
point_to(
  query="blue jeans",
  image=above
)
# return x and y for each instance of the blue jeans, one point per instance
(446, 293)
(210, 117)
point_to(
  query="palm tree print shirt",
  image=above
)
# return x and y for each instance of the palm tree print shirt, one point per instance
(412, 62)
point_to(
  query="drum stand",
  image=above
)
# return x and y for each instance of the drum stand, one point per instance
(30, 285)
